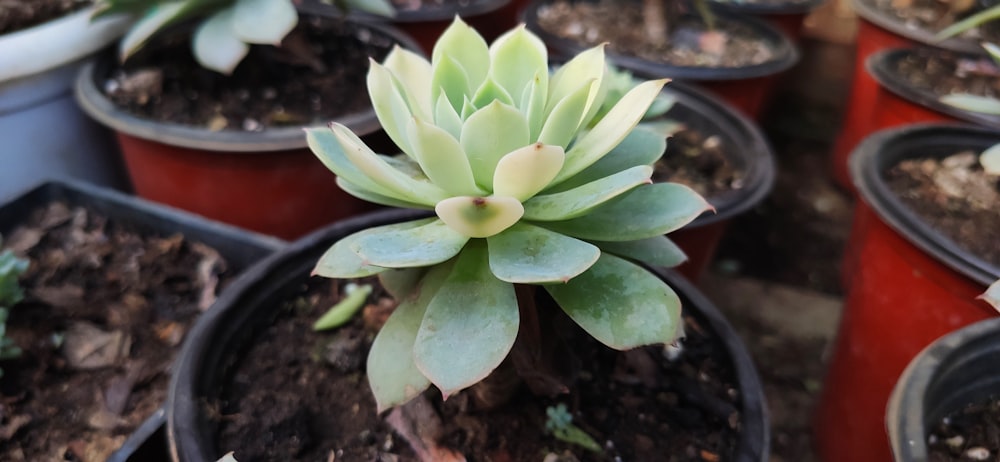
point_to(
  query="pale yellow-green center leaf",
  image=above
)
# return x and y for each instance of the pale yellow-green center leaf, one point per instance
(524, 172)
(479, 216)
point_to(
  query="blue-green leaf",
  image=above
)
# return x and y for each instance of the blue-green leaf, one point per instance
(640, 147)
(526, 254)
(578, 201)
(341, 261)
(657, 251)
(265, 22)
(406, 247)
(215, 45)
(401, 282)
(371, 196)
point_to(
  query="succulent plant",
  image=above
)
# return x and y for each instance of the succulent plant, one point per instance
(229, 27)
(525, 189)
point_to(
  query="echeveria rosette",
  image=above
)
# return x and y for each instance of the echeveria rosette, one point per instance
(526, 190)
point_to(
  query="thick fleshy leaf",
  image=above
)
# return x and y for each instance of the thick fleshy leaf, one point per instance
(414, 74)
(488, 135)
(990, 160)
(450, 80)
(993, 50)
(442, 159)
(643, 212)
(215, 46)
(463, 44)
(370, 196)
(578, 201)
(533, 104)
(341, 261)
(611, 130)
(640, 147)
(525, 171)
(992, 295)
(390, 105)
(526, 254)
(475, 216)
(491, 91)
(585, 67)
(974, 103)
(564, 120)
(620, 304)
(384, 174)
(446, 117)
(152, 22)
(408, 247)
(470, 324)
(266, 22)
(656, 251)
(392, 373)
(401, 282)
(379, 7)
(325, 145)
(517, 56)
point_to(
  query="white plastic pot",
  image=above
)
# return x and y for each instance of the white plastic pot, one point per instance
(44, 134)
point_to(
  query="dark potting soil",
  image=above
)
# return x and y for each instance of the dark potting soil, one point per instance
(762, 2)
(972, 433)
(16, 15)
(938, 73)
(699, 161)
(955, 197)
(730, 44)
(105, 310)
(317, 75)
(301, 395)
(414, 5)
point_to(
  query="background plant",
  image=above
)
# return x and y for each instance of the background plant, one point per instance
(529, 191)
(11, 268)
(227, 28)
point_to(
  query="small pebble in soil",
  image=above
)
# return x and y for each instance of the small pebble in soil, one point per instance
(977, 453)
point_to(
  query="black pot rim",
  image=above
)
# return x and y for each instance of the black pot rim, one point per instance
(869, 13)
(908, 413)
(880, 151)
(94, 103)
(448, 11)
(787, 54)
(216, 330)
(751, 148)
(140, 436)
(781, 9)
(878, 66)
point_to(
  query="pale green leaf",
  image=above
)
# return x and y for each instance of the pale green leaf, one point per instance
(973, 103)
(325, 145)
(474, 216)
(449, 79)
(611, 130)
(489, 92)
(990, 160)
(467, 48)
(526, 254)
(446, 117)
(408, 247)
(643, 212)
(470, 324)
(488, 135)
(970, 22)
(442, 159)
(640, 147)
(533, 103)
(620, 304)
(414, 74)
(389, 104)
(588, 66)
(401, 282)
(564, 120)
(657, 251)
(153, 21)
(580, 200)
(374, 197)
(215, 46)
(993, 50)
(392, 372)
(341, 261)
(525, 171)
(992, 295)
(266, 22)
(517, 57)
(379, 7)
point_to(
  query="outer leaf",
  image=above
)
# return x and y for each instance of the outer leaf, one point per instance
(470, 324)
(325, 145)
(215, 45)
(657, 251)
(463, 44)
(578, 201)
(392, 372)
(341, 261)
(517, 56)
(620, 304)
(401, 282)
(414, 74)
(584, 67)
(526, 254)
(564, 120)
(442, 159)
(479, 216)
(640, 147)
(611, 130)
(155, 20)
(525, 171)
(488, 135)
(974, 103)
(990, 160)
(390, 105)
(263, 21)
(992, 295)
(408, 247)
(641, 213)
(370, 196)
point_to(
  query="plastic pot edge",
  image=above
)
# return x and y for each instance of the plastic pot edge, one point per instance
(870, 14)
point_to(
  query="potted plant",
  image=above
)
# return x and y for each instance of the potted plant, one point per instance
(110, 285)
(43, 46)
(533, 208)
(226, 141)
(734, 56)
(915, 277)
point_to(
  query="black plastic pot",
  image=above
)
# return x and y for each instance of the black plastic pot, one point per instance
(787, 17)
(245, 310)
(908, 104)
(956, 370)
(240, 248)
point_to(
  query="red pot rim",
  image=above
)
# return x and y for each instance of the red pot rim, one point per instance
(866, 11)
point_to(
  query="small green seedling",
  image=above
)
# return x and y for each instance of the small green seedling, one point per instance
(560, 424)
(11, 268)
(344, 310)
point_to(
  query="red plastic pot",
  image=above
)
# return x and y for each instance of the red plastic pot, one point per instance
(876, 32)
(266, 181)
(909, 285)
(746, 88)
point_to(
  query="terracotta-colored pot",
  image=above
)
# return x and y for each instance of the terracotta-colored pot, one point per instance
(266, 181)
(909, 285)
